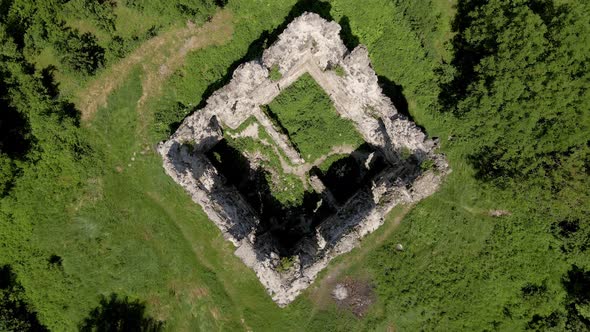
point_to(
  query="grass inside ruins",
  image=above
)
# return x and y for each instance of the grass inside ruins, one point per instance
(306, 114)
(263, 154)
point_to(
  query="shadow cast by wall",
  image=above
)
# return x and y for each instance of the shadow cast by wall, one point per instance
(281, 225)
(291, 229)
(351, 41)
(395, 92)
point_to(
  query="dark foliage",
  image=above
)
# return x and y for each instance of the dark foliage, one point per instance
(577, 285)
(520, 88)
(82, 52)
(221, 3)
(15, 314)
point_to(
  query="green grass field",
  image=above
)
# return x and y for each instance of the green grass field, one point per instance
(112, 222)
(310, 120)
(132, 231)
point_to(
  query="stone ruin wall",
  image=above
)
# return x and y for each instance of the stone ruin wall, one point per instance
(313, 45)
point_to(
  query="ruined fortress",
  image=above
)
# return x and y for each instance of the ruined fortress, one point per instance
(393, 170)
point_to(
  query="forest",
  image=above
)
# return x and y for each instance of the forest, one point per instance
(95, 237)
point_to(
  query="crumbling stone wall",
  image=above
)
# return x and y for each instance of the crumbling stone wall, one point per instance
(313, 45)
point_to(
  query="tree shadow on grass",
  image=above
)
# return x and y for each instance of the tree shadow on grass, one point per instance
(65, 109)
(395, 92)
(120, 314)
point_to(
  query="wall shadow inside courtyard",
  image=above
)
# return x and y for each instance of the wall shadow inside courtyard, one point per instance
(291, 230)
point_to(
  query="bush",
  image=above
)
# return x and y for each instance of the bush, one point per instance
(275, 74)
(81, 52)
(340, 71)
(285, 264)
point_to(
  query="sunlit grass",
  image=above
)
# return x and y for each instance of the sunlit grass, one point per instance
(310, 120)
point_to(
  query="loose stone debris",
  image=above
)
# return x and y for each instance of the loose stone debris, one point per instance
(499, 213)
(340, 292)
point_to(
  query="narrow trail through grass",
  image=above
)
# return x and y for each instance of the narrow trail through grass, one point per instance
(159, 57)
(321, 292)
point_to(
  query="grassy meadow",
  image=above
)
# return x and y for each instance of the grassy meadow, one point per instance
(90, 212)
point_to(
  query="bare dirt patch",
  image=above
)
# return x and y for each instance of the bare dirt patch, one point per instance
(321, 293)
(356, 295)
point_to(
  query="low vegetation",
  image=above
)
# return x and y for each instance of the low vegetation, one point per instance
(285, 264)
(275, 74)
(340, 71)
(306, 114)
(325, 165)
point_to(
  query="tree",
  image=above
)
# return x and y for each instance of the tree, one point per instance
(521, 88)
(81, 52)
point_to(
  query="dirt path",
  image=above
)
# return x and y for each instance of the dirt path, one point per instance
(159, 57)
(321, 292)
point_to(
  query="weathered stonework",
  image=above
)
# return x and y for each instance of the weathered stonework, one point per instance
(309, 44)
